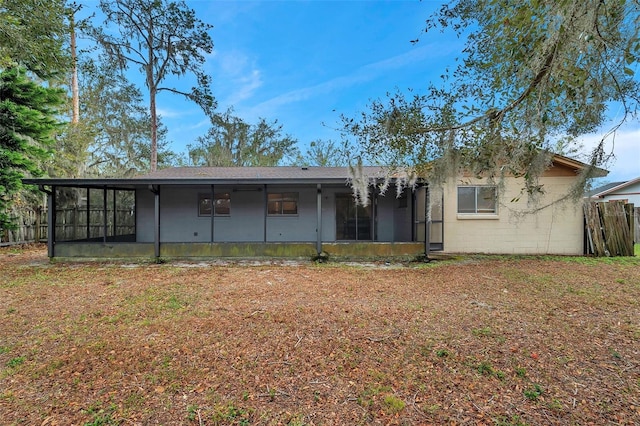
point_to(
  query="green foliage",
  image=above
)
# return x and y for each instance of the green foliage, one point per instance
(393, 404)
(27, 124)
(509, 421)
(15, 362)
(192, 412)
(485, 368)
(482, 332)
(521, 372)
(101, 416)
(231, 414)
(534, 392)
(32, 35)
(117, 136)
(533, 77)
(442, 353)
(232, 142)
(324, 154)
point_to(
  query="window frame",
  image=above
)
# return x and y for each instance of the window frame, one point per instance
(218, 196)
(476, 210)
(282, 198)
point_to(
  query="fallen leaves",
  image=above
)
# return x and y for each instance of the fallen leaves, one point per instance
(329, 344)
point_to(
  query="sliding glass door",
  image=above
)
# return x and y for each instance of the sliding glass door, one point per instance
(352, 222)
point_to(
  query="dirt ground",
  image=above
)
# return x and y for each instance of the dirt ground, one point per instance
(472, 341)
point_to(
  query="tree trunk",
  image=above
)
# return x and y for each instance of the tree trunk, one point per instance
(75, 118)
(154, 129)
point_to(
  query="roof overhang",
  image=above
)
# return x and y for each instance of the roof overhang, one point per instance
(579, 166)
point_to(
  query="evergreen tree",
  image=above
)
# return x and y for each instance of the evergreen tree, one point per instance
(27, 125)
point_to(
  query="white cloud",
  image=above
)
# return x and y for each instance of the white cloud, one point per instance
(360, 75)
(625, 146)
(172, 113)
(237, 70)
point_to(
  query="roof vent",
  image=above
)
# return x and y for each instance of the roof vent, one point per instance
(304, 168)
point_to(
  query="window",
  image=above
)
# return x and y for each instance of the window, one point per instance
(283, 203)
(222, 203)
(477, 199)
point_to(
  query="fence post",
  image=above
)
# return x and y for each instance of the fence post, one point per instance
(36, 233)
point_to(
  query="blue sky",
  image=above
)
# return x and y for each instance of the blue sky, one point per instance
(306, 62)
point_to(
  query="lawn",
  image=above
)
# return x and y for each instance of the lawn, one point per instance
(476, 340)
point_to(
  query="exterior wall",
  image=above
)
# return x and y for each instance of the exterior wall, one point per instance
(144, 215)
(556, 229)
(180, 223)
(300, 227)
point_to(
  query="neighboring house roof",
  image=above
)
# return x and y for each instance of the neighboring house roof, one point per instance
(602, 188)
(612, 188)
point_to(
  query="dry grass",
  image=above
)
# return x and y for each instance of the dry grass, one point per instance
(494, 340)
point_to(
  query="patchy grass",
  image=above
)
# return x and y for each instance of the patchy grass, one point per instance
(479, 340)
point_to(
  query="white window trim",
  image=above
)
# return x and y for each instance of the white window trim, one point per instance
(475, 215)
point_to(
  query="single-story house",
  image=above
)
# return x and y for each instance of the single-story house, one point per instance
(303, 212)
(627, 191)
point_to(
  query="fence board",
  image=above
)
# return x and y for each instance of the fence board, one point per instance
(636, 225)
(71, 224)
(609, 228)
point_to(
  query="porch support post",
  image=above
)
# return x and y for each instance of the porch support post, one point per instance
(156, 220)
(414, 216)
(427, 222)
(88, 214)
(51, 222)
(104, 215)
(374, 219)
(265, 212)
(213, 209)
(319, 219)
(114, 232)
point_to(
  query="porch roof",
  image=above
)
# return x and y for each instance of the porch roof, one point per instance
(218, 176)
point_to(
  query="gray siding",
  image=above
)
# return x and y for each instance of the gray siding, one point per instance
(180, 222)
(144, 215)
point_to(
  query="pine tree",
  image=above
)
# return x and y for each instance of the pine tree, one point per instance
(27, 124)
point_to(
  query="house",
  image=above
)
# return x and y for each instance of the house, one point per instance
(628, 191)
(305, 211)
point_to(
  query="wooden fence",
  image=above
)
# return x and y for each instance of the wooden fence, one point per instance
(31, 227)
(636, 221)
(71, 224)
(610, 228)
